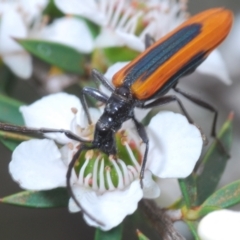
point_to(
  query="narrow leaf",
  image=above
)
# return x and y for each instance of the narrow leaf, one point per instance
(193, 229)
(115, 233)
(9, 110)
(189, 190)
(52, 10)
(42, 199)
(214, 162)
(10, 144)
(141, 236)
(57, 54)
(120, 54)
(11, 140)
(103, 58)
(223, 198)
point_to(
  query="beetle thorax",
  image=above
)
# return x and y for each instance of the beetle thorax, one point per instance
(118, 109)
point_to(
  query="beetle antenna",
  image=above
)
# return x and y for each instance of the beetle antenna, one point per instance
(101, 78)
(69, 188)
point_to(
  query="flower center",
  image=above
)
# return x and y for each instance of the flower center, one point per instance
(103, 173)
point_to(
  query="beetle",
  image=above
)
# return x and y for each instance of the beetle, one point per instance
(144, 82)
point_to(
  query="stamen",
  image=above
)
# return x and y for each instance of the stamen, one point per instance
(95, 174)
(125, 172)
(110, 11)
(119, 173)
(131, 25)
(133, 159)
(117, 13)
(81, 173)
(109, 179)
(124, 18)
(102, 187)
(87, 180)
(133, 171)
(131, 175)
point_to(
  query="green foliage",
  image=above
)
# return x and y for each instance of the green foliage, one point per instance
(193, 228)
(199, 187)
(42, 199)
(225, 197)
(62, 56)
(9, 109)
(141, 236)
(115, 233)
(214, 162)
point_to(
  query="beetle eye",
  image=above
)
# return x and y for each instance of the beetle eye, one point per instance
(123, 91)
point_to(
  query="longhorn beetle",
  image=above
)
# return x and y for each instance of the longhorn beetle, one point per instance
(143, 83)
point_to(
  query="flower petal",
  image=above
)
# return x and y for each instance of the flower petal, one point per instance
(12, 25)
(36, 165)
(111, 207)
(214, 65)
(220, 225)
(32, 8)
(131, 41)
(53, 111)
(20, 63)
(70, 31)
(108, 38)
(87, 9)
(174, 145)
(113, 69)
(151, 189)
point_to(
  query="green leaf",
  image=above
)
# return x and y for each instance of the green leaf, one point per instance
(223, 198)
(193, 229)
(105, 57)
(214, 162)
(42, 199)
(189, 190)
(62, 56)
(115, 233)
(141, 236)
(9, 110)
(7, 80)
(10, 144)
(52, 11)
(120, 54)
(93, 28)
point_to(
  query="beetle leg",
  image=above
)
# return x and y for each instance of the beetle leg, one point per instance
(149, 40)
(143, 135)
(14, 128)
(92, 92)
(209, 107)
(167, 99)
(170, 98)
(69, 188)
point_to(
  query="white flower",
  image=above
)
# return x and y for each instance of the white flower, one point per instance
(121, 20)
(106, 188)
(220, 225)
(70, 31)
(16, 18)
(126, 23)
